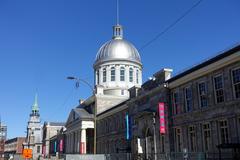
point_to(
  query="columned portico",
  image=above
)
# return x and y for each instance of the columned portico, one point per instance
(78, 124)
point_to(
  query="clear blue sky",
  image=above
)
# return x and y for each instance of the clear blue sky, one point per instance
(42, 42)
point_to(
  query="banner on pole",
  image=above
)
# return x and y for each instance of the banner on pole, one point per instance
(128, 126)
(61, 145)
(161, 117)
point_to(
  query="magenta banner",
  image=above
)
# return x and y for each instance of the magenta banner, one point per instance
(61, 145)
(161, 117)
(44, 150)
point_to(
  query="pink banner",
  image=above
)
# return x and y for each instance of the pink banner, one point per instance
(161, 118)
(44, 150)
(61, 145)
(82, 148)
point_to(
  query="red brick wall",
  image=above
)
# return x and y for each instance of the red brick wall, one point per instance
(19, 145)
(1, 148)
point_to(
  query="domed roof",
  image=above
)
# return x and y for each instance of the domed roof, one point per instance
(117, 49)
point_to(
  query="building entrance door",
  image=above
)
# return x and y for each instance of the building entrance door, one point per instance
(149, 145)
(90, 139)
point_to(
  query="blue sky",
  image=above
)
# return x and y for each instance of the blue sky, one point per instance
(43, 42)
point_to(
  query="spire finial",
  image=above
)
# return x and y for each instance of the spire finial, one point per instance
(117, 29)
(35, 105)
(117, 12)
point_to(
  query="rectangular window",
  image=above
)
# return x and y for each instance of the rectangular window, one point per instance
(219, 90)
(38, 149)
(137, 76)
(192, 138)
(176, 103)
(202, 90)
(206, 136)
(188, 99)
(122, 75)
(130, 75)
(104, 75)
(162, 139)
(112, 74)
(223, 126)
(236, 82)
(178, 143)
(98, 77)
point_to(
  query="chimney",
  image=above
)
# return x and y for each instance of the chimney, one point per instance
(163, 75)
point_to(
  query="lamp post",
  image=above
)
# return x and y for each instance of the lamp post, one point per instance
(78, 80)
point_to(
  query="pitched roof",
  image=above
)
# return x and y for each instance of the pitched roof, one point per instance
(207, 62)
(56, 123)
(83, 113)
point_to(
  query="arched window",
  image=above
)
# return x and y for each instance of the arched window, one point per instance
(112, 73)
(122, 74)
(137, 76)
(104, 75)
(97, 76)
(130, 75)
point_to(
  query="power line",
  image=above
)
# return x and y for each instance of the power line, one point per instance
(159, 34)
(171, 25)
(70, 94)
(166, 29)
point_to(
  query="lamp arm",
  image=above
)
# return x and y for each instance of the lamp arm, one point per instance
(88, 84)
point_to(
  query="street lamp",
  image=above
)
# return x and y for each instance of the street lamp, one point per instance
(78, 80)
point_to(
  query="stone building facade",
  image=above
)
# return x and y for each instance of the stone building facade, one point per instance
(34, 132)
(201, 113)
(50, 129)
(142, 107)
(111, 130)
(3, 138)
(205, 105)
(13, 147)
(79, 131)
(190, 113)
(117, 68)
(57, 144)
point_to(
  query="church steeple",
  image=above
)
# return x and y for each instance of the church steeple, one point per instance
(35, 109)
(34, 130)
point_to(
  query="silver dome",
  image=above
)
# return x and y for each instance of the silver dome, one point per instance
(117, 49)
